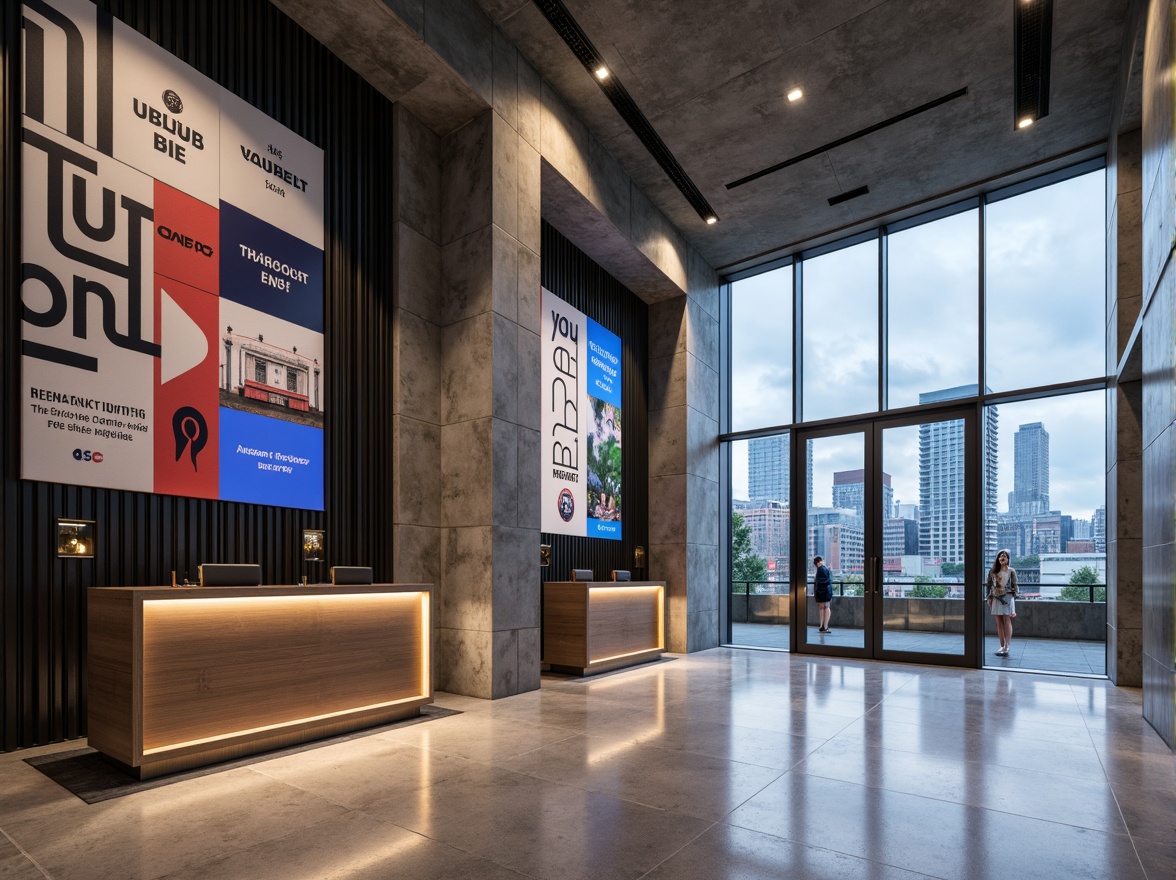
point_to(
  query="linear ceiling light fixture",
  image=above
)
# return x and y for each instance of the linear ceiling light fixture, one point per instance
(848, 194)
(1032, 39)
(571, 33)
(780, 166)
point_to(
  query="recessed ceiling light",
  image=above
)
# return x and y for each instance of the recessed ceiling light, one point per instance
(712, 220)
(1026, 122)
(602, 72)
(795, 94)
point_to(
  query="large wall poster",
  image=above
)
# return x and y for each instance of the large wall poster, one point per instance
(581, 400)
(172, 275)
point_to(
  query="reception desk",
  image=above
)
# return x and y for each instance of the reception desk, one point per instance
(180, 677)
(595, 626)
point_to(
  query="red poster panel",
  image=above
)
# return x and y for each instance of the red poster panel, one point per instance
(187, 413)
(187, 237)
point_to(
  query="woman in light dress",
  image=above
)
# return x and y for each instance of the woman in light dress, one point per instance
(1001, 598)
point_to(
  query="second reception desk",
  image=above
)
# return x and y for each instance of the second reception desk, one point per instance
(190, 676)
(595, 626)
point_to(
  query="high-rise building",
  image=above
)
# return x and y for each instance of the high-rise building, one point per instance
(768, 470)
(904, 510)
(1013, 533)
(1098, 528)
(942, 488)
(769, 529)
(900, 537)
(1030, 495)
(849, 492)
(1051, 532)
(837, 535)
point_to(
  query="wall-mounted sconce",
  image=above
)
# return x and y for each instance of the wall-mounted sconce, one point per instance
(639, 557)
(313, 549)
(75, 538)
(544, 555)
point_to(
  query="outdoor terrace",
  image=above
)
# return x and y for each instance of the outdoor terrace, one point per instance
(1049, 635)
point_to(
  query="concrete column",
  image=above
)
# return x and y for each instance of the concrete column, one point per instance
(1124, 522)
(416, 423)
(488, 636)
(684, 503)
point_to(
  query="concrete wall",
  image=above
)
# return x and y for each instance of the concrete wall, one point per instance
(484, 147)
(1124, 413)
(1158, 434)
(1124, 454)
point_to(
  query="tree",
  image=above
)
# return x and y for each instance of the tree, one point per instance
(853, 585)
(927, 591)
(745, 564)
(1026, 561)
(951, 569)
(1081, 579)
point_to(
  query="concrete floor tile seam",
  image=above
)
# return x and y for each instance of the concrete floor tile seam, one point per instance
(1142, 864)
(17, 867)
(448, 845)
(977, 757)
(668, 757)
(497, 762)
(701, 834)
(796, 841)
(1124, 833)
(991, 717)
(905, 871)
(1138, 835)
(25, 854)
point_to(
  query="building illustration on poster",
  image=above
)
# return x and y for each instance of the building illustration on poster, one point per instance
(581, 424)
(172, 275)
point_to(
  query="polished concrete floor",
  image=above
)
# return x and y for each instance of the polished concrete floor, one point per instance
(1070, 656)
(727, 763)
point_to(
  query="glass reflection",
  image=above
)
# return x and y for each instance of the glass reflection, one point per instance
(933, 273)
(761, 350)
(840, 293)
(1045, 280)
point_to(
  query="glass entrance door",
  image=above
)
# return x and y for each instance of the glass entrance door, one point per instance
(890, 506)
(833, 526)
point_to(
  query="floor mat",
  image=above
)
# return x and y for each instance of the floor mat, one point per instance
(84, 773)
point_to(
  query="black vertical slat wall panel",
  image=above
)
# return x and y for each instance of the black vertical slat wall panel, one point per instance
(569, 274)
(253, 50)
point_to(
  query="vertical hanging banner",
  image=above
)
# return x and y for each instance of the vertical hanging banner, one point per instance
(171, 277)
(581, 424)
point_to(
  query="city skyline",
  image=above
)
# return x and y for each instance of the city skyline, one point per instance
(1075, 423)
(939, 487)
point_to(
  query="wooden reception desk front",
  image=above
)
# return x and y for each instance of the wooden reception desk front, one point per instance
(190, 676)
(595, 626)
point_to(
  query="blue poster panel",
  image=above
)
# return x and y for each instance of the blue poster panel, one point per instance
(270, 461)
(270, 270)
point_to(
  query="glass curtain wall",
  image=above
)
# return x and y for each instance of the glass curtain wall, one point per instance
(1000, 302)
(840, 341)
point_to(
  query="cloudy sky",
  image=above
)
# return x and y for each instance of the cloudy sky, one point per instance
(1045, 271)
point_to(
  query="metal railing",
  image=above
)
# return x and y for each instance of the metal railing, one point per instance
(955, 590)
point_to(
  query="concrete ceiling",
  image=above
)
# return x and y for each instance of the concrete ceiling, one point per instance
(712, 77)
